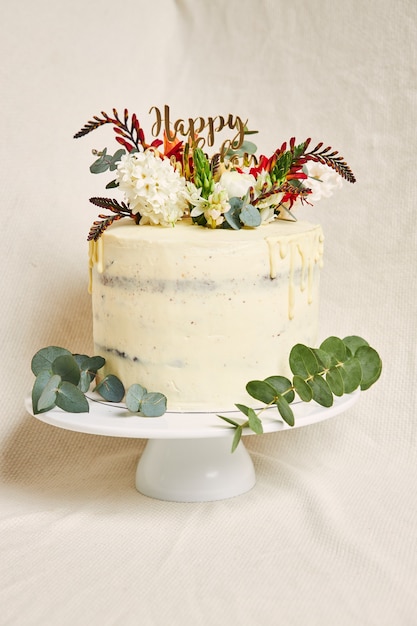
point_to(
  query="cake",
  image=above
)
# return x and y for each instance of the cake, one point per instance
(211, 281)
(195, 314)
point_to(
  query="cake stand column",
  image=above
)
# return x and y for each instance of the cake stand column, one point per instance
(194, 470)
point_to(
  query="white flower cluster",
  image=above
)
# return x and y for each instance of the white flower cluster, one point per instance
(157, 191)
(322, 181)
(152, 187)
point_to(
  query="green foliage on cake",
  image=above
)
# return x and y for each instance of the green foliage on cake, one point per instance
(337, 367)
(63, 379)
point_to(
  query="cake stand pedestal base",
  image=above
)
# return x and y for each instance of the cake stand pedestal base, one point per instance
(188, 456)
(194, 470)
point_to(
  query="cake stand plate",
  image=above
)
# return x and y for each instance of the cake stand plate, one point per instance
(188, 455)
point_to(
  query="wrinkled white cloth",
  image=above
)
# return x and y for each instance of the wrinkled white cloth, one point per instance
(328, 535)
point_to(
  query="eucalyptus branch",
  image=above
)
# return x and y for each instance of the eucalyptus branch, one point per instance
(337, 367)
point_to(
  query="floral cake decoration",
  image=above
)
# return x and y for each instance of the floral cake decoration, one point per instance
(173, 177)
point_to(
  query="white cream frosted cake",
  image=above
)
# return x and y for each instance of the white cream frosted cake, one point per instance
(196, 314)
(211, 281)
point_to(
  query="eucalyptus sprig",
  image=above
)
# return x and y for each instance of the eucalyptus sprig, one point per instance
(337, 367)
(63, 379)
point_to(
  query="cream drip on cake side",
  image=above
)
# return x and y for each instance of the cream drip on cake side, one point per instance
(196, 313)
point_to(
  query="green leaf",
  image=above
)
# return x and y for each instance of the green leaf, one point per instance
(335, 381)
(70, 398)
(111, 388)
(92, 364)
(351, 373)
(229, 421)
(371, 366)
(232, 215)
(39, 385)
(255, 423)
(353, 342)
(285, 410)
(303, 361)
(237, 437)
(282, 386)
(323, 358)
(102, 164)
(116, 158)
(66, 367)
(112, 184)
(48, 396)
(153, 404)
(250, 216)
(243, 409)
(44, 358)
(80, 358)
(85, 381)
(261, 390)
(302, 388)
(134, 396)
(321, 391)
(335, 348)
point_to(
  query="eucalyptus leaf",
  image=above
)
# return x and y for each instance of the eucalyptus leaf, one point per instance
(44, 358)
(80, 358)
(285, 410)
(261, 390)
(66, 367)
(282, 386)
(351, 373)
(335, 348)
(322, 393)
(232, 215)
(153, 404)
(323, 358)
(250, 216)
(255, 423)
(48, 396)
(335, 381)
(111, 388)
(92, 364)
(371, 366)
(85, 381)
(237, 437)
(134, 396)
(243, 409)
(70, 398)
(40, 383)
(116, 158)
(353, 342)
(229, 421)
(302, 388)
(303, 361)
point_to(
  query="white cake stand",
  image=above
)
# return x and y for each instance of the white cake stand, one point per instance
(188, 455)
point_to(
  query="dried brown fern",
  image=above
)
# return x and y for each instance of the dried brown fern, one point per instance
(129, 134)
(104, 221)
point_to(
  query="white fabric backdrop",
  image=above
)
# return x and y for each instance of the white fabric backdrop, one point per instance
(328, 535)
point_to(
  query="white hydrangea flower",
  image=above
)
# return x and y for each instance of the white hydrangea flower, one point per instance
(152, 187)
(322, 180)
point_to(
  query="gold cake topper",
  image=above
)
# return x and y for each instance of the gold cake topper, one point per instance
(193, 127)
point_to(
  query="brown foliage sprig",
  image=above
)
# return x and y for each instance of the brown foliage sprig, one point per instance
(332, 159)
(129, 134)
(104, 221)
